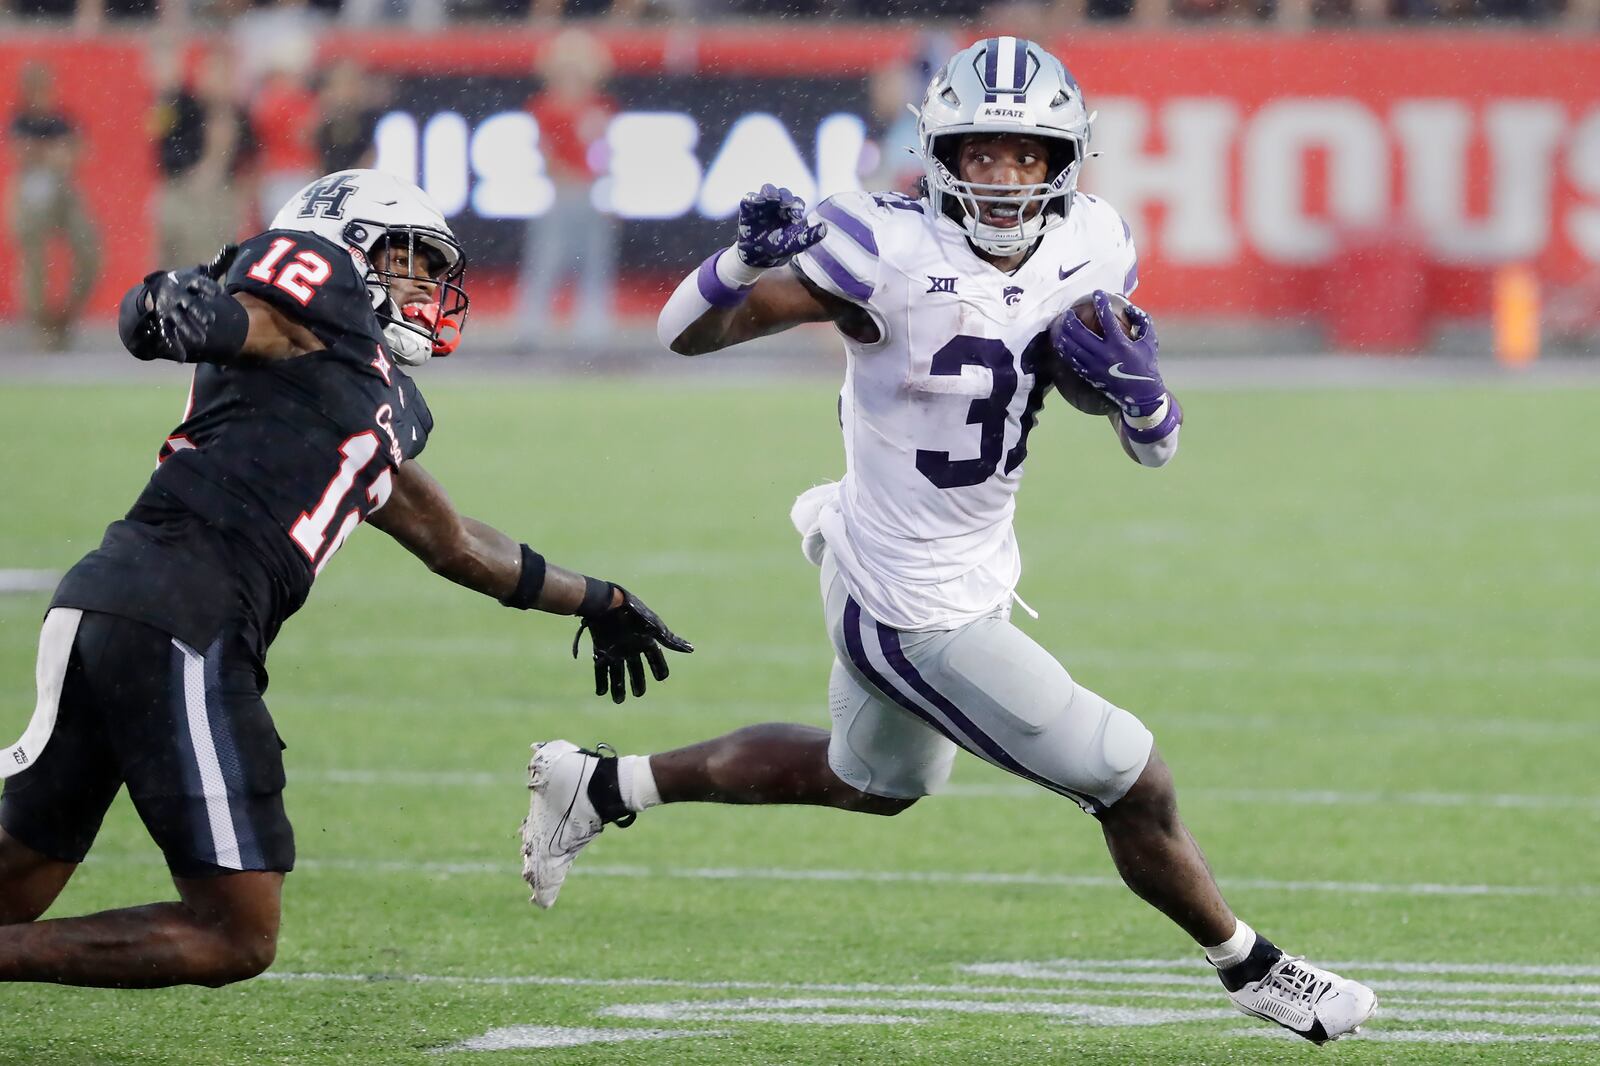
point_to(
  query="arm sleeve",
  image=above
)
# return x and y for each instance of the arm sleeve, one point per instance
(845, 262)
(309, 278)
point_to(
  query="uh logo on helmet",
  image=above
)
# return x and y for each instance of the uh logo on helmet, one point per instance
(1003, 85)
(368, 212)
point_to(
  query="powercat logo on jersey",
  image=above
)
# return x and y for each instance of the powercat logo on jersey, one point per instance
(1013, 295)
(326, 199)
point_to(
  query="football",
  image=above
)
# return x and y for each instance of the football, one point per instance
(1076, 391)
(1085, 311)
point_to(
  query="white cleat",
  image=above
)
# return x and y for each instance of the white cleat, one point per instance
(561, 819)
(1307, 1000)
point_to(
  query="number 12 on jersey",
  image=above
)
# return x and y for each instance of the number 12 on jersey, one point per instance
(300, 277)
(310, 530)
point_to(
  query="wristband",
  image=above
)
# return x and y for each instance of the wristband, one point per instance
(725, 284)
(525, 597)
(1155, 427)
(596, 597)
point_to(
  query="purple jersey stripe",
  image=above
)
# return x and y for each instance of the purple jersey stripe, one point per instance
(889, 641)
(848, 283)
(713, 289)
(1161, 430)
(852, 226)
(858, 656)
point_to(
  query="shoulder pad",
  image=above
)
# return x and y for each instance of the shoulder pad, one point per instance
(309, 278)
(845, 262)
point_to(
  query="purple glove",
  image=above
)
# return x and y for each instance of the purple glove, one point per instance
(772, 227)
(1122, 370)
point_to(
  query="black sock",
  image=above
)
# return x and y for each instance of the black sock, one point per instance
(1254, 967)
(606, 794)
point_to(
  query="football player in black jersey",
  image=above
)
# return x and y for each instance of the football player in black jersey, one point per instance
(300, 425)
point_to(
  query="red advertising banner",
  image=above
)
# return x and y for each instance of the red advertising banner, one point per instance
(1262, 174)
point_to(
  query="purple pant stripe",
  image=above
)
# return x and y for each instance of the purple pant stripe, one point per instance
(889, 641)
(848, 283)
(852, 226)
(858, 656)
(713, 289)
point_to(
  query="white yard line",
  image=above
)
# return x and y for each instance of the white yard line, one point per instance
(389, 867)
(1004, 790)
(1100, 993)
(28, 581)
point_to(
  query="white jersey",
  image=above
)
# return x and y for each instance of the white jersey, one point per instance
(936, 412)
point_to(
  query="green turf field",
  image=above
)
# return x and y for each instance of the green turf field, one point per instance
(1362, 625)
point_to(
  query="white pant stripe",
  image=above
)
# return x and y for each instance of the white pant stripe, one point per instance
(218, 813)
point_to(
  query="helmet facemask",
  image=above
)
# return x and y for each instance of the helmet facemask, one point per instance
(1040, 206)
(418, 330)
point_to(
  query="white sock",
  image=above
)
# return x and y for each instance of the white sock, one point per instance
(1235, 949)
(637, 782)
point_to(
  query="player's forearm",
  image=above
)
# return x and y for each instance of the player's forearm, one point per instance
(1151, 440)
(708, 312)
(486, 560)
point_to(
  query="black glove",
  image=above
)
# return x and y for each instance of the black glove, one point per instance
(220, 263)
(630, 634)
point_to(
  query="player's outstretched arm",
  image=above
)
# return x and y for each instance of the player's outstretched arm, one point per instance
(187, 317)
(626, 633)
(737, 294)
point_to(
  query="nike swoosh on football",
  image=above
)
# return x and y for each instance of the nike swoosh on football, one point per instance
(1116, 372)
(1065, 274)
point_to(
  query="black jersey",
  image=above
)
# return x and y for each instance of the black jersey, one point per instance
(272, 467)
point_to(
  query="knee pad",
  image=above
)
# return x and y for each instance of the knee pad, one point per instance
(1124, 747)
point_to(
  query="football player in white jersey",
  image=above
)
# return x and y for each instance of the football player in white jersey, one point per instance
(953, 308)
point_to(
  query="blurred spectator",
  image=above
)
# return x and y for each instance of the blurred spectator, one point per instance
(205, 148)
(349, 118)
(890, 160)
(46, 204)
(88, 15)
(555, 9)
(284, 116)
(572, 113)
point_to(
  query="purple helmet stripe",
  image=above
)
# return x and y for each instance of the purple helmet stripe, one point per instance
(988, 747)
(852, 226)
(848, 283)
(1131, 282)
(1019, 75)
(991, 63)
(858, 656)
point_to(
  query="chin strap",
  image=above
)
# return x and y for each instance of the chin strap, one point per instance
(409, 344)
(446, 334)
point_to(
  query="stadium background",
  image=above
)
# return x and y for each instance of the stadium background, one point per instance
(1357, 611)
(1371, 187)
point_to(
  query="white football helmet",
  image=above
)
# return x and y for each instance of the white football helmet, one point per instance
(361, 209)
(1003, 85)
